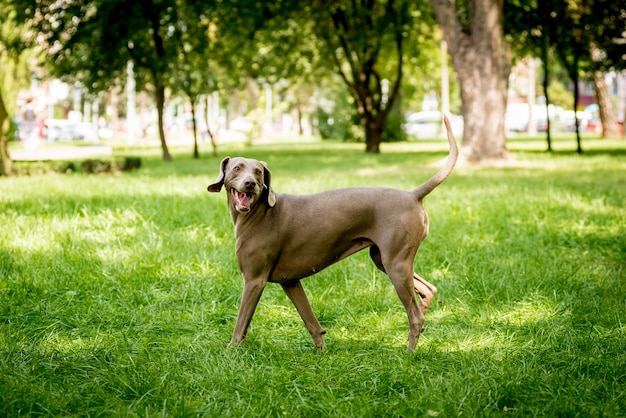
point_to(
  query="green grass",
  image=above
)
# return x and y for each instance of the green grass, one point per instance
(118, 294)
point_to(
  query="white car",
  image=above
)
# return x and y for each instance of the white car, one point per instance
(517, 116)
(422, 125)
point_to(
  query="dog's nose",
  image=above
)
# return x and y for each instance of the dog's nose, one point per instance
(250, 183)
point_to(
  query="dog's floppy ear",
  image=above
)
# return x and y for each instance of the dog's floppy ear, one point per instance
(219, 182)
(267, 180)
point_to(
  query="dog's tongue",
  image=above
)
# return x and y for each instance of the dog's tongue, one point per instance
(242, 201)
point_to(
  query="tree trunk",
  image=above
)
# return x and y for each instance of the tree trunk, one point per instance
(158, 70)
(482, 60)
(299, 114)
(546, 82)
(208, 120)
(624, 124)
(160, 102)
(574, 75)
(607, 116)
(368, 100)
(6, 165)
(373, 137)
(196, 153)
(531, 97)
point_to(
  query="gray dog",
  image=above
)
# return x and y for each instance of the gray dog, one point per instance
(283, 238)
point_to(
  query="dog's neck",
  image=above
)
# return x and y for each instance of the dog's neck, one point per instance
(239, 218)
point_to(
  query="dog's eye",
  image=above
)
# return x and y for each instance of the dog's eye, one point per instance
(258, 172)
(236, 168)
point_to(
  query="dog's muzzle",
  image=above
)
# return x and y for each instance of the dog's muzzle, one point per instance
(242, 200)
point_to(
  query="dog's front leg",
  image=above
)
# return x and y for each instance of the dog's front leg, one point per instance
(252, 290)
(295, 292)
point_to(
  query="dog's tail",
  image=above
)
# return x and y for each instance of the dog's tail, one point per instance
(445, 171)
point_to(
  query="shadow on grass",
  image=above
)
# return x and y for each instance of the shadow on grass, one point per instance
(592, 152)
(129, 297)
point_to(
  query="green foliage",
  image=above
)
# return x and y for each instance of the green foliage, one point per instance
(394, 132)
(338, 123)
(366, 42)
(571, 29)
(560, 95)
(335, 116)
(14, 74)
(118, 294)
(15, 57)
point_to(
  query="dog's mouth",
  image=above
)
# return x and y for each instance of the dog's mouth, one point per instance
(242, 200)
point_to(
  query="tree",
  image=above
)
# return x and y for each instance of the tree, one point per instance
(93, 40)
(194, 69)
(473, 30)
(526, 22)
(366, 42)
(584, 36)
(371, 44)
(587, 37)
(607, 47)
(142, 31)
(6, 168)
(12, 76)
(276, 47)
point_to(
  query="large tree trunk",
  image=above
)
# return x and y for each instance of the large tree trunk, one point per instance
(6, 165)
(607, 115)
(482, 61)
(373, 136)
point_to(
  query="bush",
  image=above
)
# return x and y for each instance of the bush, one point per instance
(92, 166)
(393, 131)
(341, 121)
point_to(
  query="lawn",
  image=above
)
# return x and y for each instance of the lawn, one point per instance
(118, 293)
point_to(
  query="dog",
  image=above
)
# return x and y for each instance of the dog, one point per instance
(283, 238)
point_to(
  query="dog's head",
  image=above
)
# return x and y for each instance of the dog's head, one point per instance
(246, 180)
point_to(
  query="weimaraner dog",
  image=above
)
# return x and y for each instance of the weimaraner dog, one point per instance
(283, 238)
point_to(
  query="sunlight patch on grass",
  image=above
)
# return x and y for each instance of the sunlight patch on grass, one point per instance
(55, 343)
(377, 171)
(523, 313)
(280, 313)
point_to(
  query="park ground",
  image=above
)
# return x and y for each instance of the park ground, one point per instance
(118, 292)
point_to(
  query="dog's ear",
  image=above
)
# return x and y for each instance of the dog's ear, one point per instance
(267, 180)
(219, 182)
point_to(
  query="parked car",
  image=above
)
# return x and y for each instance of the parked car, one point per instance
(67, 130)
(423, 125)
(569, 124)
(517, 115)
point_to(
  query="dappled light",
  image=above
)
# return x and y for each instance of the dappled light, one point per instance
(119, 279)
(124, 291)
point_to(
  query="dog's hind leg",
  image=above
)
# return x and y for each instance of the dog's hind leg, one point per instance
(401, 274)
(401, 278)
(295, 292)
(424, 289)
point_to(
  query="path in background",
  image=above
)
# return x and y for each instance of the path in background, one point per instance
(62, 153)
